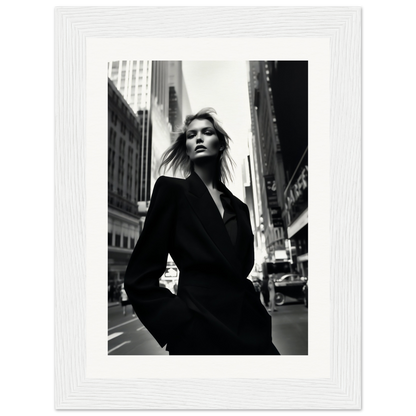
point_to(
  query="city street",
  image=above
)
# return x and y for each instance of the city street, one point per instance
(128, 336)
(271, 98)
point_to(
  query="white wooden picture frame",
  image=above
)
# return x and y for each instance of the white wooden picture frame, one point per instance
(331, 379)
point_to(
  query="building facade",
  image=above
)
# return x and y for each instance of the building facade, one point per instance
(124, 162)
(265, 150)
(133, 80)
(278, 93)
(179, 105)
(289, 83)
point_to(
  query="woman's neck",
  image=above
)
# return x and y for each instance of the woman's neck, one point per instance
(207, 173)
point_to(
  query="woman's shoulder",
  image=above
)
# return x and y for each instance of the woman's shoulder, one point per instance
(239, 202)
(169, 181)
(168, 184)
(241, 205)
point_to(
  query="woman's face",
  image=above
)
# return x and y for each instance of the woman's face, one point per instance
(202, 140)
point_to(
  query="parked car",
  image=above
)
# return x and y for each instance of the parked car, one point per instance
(289, 285)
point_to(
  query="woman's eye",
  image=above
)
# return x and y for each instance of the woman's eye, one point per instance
(205, 132)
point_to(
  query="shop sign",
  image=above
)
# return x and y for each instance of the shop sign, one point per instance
(271, 191)
(276, 214)
(298, 224)
(297, 190)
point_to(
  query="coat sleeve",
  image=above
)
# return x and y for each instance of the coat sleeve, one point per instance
(160, 311)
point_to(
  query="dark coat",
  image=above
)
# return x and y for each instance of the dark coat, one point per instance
(216, 309)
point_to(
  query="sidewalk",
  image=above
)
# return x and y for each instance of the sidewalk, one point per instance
(290, 329)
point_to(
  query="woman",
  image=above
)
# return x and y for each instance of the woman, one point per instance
(207, 232)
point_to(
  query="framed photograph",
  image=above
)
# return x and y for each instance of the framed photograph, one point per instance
(136, 72)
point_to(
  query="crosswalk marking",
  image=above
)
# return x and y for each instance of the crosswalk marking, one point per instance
(124, 323)
(115, 335)
(118, 346)
(138, 329)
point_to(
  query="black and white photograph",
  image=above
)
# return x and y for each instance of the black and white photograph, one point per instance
(203, 264)
(208, 207)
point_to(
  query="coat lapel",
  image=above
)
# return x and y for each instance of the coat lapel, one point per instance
(207, 212)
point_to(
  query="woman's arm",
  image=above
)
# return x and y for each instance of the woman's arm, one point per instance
(160, 311)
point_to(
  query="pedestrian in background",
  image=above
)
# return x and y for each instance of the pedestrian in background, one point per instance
(124, 299)
(272, 294)
(265, 291)
(207, 232)
(257, 286)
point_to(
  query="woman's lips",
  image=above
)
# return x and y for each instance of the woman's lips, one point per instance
(200, 148)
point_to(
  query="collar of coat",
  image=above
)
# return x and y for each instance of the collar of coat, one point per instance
(198, 188)
(207, 212)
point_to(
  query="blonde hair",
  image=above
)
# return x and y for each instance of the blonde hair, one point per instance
(176, 158)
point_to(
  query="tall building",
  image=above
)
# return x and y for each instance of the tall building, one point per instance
(159, 111)
(170, 105)
(289, 83)
(124, 162)
(266, 153)
(179, 106)
(133, 79)
(156, 91)
(251, 198)
(278, 96)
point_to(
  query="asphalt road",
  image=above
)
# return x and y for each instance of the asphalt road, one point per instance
(128, 336)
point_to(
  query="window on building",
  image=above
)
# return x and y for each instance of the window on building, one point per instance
(110, 239)
(118, 240)
(131, 242)
(125, 242)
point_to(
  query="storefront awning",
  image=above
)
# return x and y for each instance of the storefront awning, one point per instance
(298, 224)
